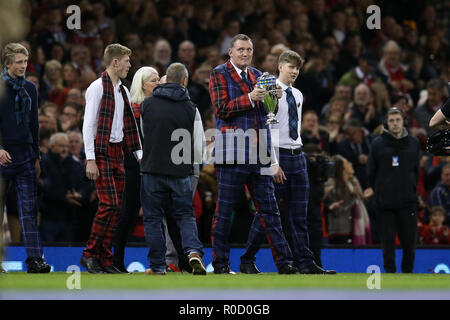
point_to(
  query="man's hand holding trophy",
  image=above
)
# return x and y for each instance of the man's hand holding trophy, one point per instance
(273, 92)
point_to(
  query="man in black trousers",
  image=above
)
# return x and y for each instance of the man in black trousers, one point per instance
(393, 172)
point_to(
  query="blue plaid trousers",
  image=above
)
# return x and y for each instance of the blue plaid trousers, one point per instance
(22, 176)
(231, 180)
(294, 192)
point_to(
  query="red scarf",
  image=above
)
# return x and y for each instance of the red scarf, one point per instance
(136, 110)
(105, 119)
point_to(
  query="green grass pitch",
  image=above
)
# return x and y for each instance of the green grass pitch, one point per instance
(140, 281)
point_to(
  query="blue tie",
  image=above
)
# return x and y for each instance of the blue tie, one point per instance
(293, 114)
(246, 80)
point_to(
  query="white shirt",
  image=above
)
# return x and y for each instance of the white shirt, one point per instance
(239, 73)
(199, 140)
(280, 131)
(94, 95)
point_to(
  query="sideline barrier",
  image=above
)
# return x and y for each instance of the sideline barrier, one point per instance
(343, 260)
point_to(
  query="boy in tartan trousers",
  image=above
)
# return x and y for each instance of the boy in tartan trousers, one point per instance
(109, 129)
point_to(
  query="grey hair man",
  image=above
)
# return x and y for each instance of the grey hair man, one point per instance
(167, 167)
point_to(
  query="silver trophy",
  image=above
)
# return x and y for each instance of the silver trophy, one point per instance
(269, 82)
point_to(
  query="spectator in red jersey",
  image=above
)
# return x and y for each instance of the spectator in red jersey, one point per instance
(435, 232)
(391, 71)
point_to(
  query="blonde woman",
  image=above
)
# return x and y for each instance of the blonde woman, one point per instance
(145, 80)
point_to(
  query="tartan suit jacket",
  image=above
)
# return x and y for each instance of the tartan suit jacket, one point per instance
(106, 114)
(238, 138)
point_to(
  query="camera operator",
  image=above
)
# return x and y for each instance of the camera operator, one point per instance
(393, 171)
(319, 170)
(443, 114)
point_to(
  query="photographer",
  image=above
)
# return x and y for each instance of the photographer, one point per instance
(319, 170)
(443, 113)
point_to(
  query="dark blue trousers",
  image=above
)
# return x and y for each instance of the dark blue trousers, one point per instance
(231, 180)
(294, 192)
(22, 177)
(155, 191)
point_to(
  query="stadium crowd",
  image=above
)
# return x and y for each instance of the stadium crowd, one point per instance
(352, 76)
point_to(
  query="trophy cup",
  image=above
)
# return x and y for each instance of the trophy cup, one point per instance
(269, 82)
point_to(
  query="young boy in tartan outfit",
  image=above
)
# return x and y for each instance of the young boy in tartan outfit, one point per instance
(291, 181)
(19, 152)
(238, 106)
(109, 129)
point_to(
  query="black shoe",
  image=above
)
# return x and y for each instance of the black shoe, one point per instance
(249, 268)
(113, 269)
(223, 270)
(37, 265)
(315, 269)
(120, 267)
(185, 266)
(287, 269)
(92, 265)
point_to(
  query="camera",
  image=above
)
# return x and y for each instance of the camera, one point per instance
(439, 143)
(320, 168)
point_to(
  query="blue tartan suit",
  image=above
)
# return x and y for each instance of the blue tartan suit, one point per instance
(295, 193)
(235, 115)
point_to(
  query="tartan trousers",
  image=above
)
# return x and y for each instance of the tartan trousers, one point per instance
(23, 178)
(231, 180)
(110, 187)
(294, 192)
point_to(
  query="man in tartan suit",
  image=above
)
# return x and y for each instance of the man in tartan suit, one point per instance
(291, 181)
(109, 128)
(241, 135)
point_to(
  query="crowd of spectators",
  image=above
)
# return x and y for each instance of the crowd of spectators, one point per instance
(351, 77)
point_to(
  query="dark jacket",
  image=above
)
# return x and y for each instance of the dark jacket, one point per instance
(393, 171)
(169, 109)
(16, 136)
(57, 178)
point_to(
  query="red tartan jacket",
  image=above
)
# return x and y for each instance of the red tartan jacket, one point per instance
(235, 115)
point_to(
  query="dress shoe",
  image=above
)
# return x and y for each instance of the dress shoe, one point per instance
(287, 269)
(315, 269)
(249, 268)
(113, 269)
(92, 265)
(195, 261)
(184, 266)
(120, 267)
(223, 270)
(37, 265)
(150, 272)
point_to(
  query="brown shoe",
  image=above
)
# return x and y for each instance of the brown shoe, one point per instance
(153, 273)
(197, 264)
